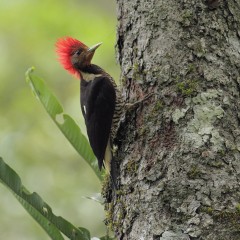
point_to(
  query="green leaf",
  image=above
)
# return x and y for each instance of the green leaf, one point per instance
(103, 238)
(39, 209)
(107, 238)
(65, 123)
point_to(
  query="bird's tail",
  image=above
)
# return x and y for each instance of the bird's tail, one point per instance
(111, 166)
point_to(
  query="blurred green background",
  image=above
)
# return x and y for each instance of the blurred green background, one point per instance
(29, 141)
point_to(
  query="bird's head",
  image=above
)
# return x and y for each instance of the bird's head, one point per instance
(74, 55)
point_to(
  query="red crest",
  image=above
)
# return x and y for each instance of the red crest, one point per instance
(65, 47)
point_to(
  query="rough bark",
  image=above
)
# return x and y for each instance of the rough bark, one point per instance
(179, 152)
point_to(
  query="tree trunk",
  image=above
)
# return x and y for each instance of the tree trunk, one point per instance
(179, 151)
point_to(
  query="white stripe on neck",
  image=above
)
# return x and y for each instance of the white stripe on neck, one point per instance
(89, 76)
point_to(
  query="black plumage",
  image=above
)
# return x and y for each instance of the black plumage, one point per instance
(98, 99)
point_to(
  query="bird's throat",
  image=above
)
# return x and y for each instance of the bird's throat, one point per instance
(89, 76)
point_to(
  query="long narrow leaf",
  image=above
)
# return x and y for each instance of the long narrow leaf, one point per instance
(67, 125)
(38, 209)
(107, 238)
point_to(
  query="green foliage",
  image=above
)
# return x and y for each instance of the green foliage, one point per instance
(66, 124)
(38, 209)
(32, 202)
(29, 140)
(106, 238)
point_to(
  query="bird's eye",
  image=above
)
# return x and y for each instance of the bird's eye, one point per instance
(78, 52)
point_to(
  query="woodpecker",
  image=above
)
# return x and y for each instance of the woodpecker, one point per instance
(100, 99)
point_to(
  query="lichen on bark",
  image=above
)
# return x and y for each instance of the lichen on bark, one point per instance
(200, 129)
(179, 151)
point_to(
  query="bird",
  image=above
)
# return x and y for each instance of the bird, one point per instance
(100, 99)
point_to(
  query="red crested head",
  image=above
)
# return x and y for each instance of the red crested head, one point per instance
(65, 48)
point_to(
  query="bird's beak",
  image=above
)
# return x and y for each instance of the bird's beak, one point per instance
(90, 52)
(94, 47)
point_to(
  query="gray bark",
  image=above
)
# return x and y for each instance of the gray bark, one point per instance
(179, 152)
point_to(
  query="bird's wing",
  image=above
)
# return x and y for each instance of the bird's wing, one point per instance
(99, 109)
